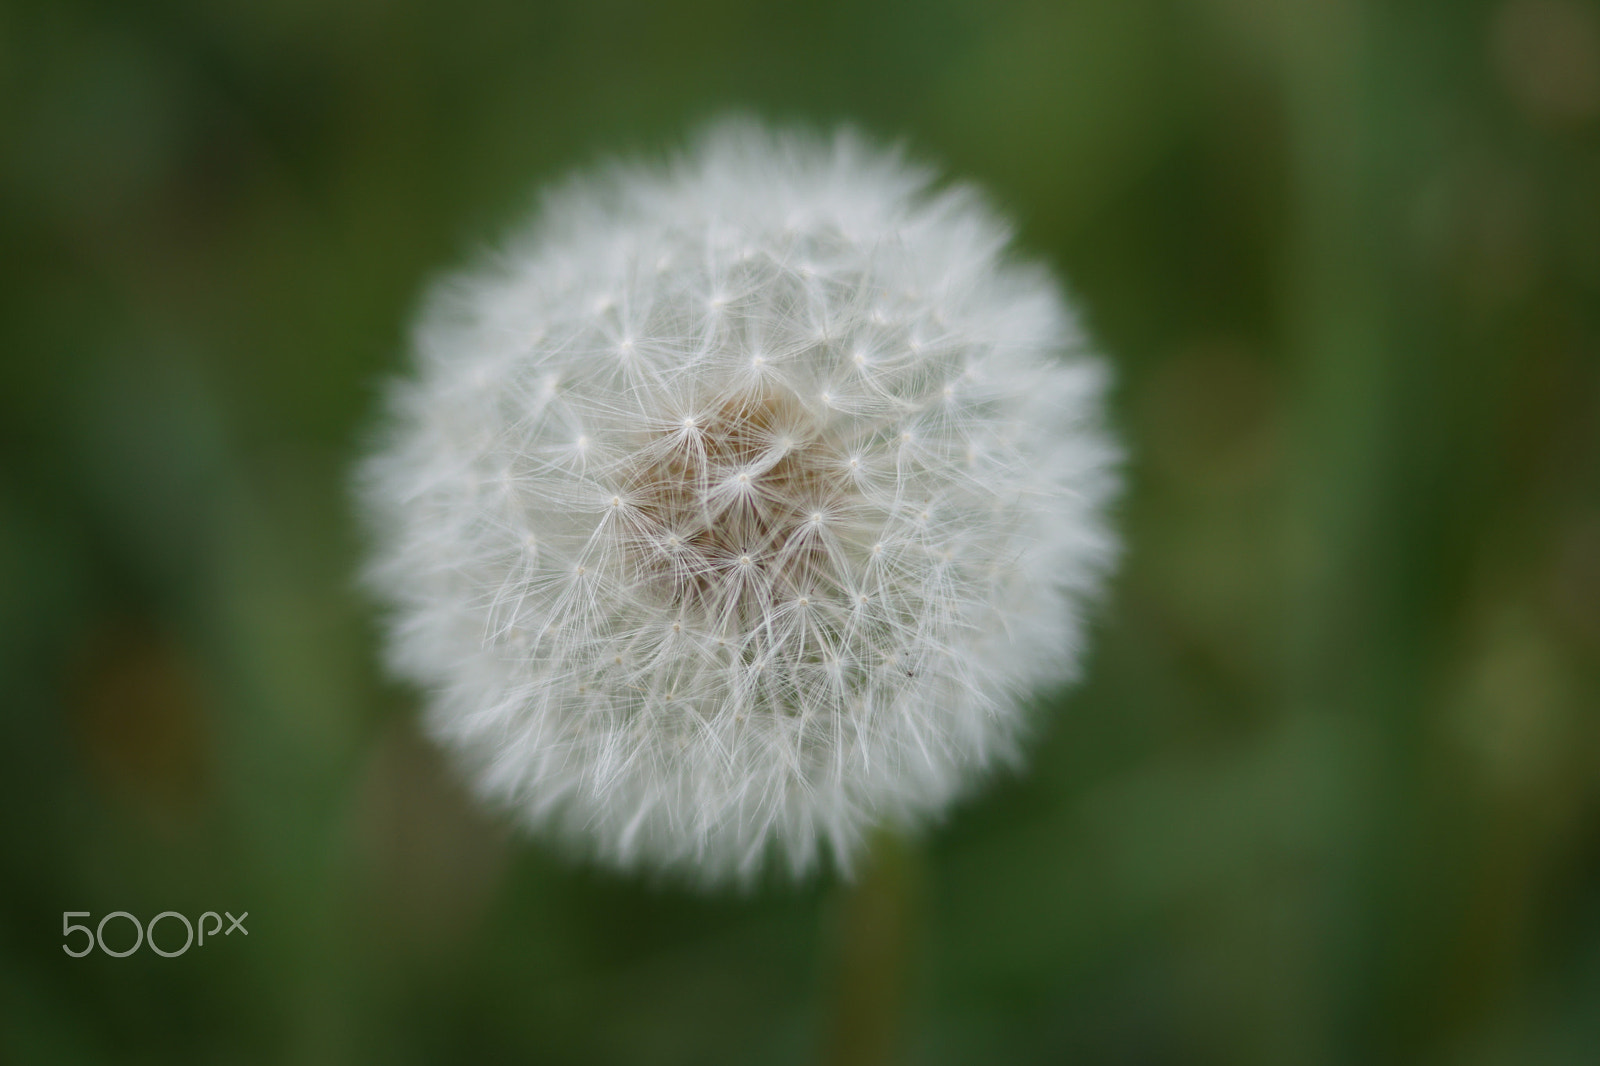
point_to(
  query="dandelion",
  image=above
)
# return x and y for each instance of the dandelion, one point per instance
(734, 510)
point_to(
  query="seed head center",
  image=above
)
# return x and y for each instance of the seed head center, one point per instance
(741, 503)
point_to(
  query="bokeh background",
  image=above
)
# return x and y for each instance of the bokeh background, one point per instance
(1331, 792)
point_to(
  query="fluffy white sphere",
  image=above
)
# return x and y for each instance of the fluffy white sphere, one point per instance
(734, 508)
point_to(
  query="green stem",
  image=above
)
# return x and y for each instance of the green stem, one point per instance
(876, 929)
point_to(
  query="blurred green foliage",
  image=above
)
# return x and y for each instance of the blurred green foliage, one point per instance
(1331, 793)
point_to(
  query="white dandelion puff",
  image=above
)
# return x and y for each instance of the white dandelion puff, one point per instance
(733, 510)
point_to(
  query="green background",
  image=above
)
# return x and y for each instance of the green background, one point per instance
(1331, 791)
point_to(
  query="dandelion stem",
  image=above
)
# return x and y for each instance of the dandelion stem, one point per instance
(877, 931)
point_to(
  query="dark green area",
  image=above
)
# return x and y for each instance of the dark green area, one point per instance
(1331, 792)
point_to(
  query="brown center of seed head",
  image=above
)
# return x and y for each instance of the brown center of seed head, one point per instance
(735, 508)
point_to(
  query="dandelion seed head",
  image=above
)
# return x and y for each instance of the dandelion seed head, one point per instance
(810, 607)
